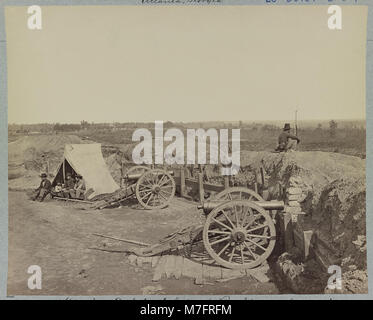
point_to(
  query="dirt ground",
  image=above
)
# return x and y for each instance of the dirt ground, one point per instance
(57, 236)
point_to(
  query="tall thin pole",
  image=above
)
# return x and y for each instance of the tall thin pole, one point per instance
(63, 170)
(296, 122)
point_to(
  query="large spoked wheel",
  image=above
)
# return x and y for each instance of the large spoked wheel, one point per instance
(239, 234)
(155, 189)
(238, 193)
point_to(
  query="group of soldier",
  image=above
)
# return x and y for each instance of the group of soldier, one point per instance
(72, 188)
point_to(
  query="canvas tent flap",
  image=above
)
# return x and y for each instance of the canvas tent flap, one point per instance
(87, 160)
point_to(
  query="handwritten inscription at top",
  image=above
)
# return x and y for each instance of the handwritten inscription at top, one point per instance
(181, 1)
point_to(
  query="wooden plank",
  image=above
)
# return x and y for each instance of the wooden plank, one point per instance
(182, 182)
(262, 177)
(259, 275)
(307, 237)
(256, 187)
(155, 260)
(298, 240)
(147, 260)
(179, 261)
(192, 183)
(201, 190)
(132, 259)
(140, 261)
(73, 200)
(211, 272)
(230, 274)
(169, 266)
(159, 269)
(192, 269)
(287, 231)
(226, 182)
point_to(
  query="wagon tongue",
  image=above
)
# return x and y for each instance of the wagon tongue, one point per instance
(175, 241)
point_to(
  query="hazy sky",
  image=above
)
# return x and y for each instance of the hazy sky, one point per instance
(146, 63)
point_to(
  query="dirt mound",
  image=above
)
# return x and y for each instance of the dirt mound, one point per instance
(113, 163)
(29, 155)
(334, 198)
(315, 168)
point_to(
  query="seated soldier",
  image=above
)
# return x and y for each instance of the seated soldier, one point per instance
(69, 185)
(79, 188)
(57, 190)
(286, 140)
(44, 188)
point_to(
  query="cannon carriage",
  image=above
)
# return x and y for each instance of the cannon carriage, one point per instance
(239, 231)
(153, 189)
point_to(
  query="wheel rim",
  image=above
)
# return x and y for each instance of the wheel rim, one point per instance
(239, 234)
(238, 193)
(155, 189)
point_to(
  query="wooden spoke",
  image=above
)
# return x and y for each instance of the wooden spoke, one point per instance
(160, 194)
(220, 240)
(167, 194)
(164, 183)
(243, 260)
(232, 254)
(256, 228)
(161, 179)
(229, 220)
(147, 202)
(222, 224)
(146, 195)
(218, 232)
(258, 245)
(224, 248)
(236, 216)
(258, 236)
(252, 253)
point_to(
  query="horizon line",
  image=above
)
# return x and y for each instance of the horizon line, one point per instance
(195, 121)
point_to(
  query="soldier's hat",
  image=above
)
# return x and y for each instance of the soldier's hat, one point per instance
(287, 126)
(43, 175)
(68, 174)
(79, 176)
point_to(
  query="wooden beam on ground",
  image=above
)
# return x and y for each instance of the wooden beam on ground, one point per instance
(73, 200)
(123, 240)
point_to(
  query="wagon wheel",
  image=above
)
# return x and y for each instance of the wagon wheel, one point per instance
(238, 193)
(155, 189)
(239, 234)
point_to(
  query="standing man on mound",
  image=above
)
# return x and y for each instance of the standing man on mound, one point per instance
(286, 140)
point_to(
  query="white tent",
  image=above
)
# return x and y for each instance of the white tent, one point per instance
(87, 160)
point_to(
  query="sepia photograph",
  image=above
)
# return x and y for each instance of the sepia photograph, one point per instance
(158, 150)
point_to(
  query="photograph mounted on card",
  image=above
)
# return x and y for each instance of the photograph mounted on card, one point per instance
(186, 150)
